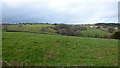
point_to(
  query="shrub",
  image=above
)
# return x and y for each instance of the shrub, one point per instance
(45, 29)
(66, 32)
(111, 30)
(61, 26)
(20, 26)
(78, 33)
(69, 30)
(5, 28)
(116, 35)
(76, 28)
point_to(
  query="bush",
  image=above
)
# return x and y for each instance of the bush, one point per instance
(45, 29)
(61, 26)
(111, 30)
(69, 30)
(78, 33)
(20, 26)
(66, 32)
(76, 28)
(116, 35)
(5, 28)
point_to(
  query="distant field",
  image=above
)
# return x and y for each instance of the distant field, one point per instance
(38, 25)
(33, 25)
(28, 27)
(31, 28)
(39, 49)
(95, 32)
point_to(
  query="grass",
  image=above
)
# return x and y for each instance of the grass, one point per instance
(0, 48)
(55, 50)
(33, 25)
(32, 28)
(95, 32)
(38, 25)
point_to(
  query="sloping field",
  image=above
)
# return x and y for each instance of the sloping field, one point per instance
(30, 28)
(21, 48)
(32, 25)
(95, 32)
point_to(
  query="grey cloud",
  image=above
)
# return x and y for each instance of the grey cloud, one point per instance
(69, 13)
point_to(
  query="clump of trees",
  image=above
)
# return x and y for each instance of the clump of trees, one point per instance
(78, 33)
(116, 35)
(47, 30)
(108, 24)
(5, 28)
(69, 30)
(61, 26)
(111, 30)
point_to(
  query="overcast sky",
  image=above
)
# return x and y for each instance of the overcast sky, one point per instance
(60, 11)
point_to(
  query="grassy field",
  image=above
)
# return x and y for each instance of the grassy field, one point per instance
(95, 32)
(33, 25)
(32, 28)
(38, 25)
(21, 48)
